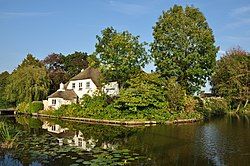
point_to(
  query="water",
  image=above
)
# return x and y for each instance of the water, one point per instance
(223, 141)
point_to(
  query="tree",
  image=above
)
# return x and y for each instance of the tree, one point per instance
(3, 82)
(28, 82)
(144, 91)
(75, 62)
(184, 47)
(232, 77)
(54, 64)
(121, 54)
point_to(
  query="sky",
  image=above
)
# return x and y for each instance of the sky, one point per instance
(42, 27)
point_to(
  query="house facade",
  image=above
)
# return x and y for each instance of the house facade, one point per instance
(87, 82)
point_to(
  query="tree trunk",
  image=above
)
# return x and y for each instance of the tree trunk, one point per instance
(238, 107)
(246, 103)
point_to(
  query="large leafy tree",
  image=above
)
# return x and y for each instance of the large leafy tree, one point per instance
(54, 64)
(184, 47)
(75, 62)
(232, 77)
(28, 82)
(3, 82)
(121, 54)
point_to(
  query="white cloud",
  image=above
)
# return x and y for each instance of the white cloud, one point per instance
(128, 8)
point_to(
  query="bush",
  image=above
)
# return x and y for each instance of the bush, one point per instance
(213, 107)
(175, 95)
(30, 108)
(23, 107)
(35, 106)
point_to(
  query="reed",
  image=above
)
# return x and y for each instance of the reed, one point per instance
(8, 135)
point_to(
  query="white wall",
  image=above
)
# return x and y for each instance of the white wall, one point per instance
(90, 91)
(112, 89)
(59, 102)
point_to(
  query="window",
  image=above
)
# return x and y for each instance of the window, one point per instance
(73, 85)
(79, 141)
(53, 128)
(87, 85)
(80, 86)
(53, 102)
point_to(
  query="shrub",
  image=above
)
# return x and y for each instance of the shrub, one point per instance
(213, 107)
(175, 95)
(35, 106)
(23, 107)
(30, 107)
(190, 104)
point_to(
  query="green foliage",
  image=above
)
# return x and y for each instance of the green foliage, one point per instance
(210, 107)
(23, 107)
(184, 47)
(121, 54)
(35, 106)
(145, 91)
(29, 82)
(175, 95)
(3, 82)
(30, 108)
(74, 63)
(8, 135)
(231, 79)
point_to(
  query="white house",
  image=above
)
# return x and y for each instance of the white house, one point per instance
(86, 82)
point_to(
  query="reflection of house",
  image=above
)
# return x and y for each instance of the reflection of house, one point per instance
(86, 82)
(79, 141)
(74, 138)
(53, 128)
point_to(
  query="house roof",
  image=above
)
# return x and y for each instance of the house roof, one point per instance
(89, 73)
(66, 95)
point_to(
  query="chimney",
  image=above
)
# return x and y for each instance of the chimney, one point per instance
(61, 87)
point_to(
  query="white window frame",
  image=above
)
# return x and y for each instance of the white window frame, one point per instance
(53, 102)
(73, 85)
(80, 86)
(88, 85)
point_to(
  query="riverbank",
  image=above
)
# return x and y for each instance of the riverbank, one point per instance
(119, 122)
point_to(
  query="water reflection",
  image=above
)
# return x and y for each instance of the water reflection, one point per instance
(211, 144)
(218, 142)
(75, 138)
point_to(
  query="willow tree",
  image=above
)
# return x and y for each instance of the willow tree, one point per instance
(184, 47)
(121, 54)
(28, 82)
(232, 77)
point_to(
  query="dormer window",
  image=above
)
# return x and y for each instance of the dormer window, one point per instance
(87, 85)
(80, 86)
(73, 85)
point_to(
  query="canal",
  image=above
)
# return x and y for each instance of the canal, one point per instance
(222, 141)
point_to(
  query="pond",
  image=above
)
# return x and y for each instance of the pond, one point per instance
(223, 141)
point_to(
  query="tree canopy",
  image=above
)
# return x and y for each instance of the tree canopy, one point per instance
(74, 63)
(184, 47)
(29, 82)
(54, 64)
(121, 54)
(232, 76)
(3, 82)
